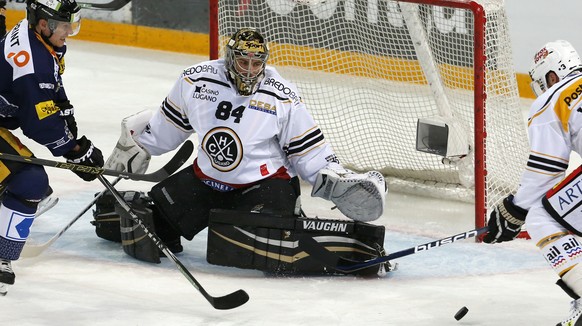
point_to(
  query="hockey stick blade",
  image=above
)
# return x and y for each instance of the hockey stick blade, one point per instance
(45, 205)
(230, 301)
(344, 265)
(181, 156)
(110, 6)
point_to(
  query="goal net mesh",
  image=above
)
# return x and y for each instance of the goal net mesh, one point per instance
(363, 78)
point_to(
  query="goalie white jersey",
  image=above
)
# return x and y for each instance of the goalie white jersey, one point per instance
(554, 125)
(242, 139)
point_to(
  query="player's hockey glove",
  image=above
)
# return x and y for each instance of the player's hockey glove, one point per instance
(67, 112)
(86, 155)
(505, 222)
(358, 196)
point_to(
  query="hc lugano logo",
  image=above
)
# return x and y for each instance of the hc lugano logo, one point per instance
(223, 147)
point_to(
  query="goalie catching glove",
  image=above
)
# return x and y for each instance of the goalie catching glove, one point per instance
(128, 155)
(505, 222)
(358, 196)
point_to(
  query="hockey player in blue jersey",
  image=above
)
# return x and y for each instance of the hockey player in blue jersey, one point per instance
(33, 99)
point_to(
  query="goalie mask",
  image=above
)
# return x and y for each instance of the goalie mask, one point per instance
(559, 57)
(246, 58)
(60, 14)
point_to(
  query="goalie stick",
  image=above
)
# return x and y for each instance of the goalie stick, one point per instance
(151, 177)
(181, 156)
(344, 265)
(110, 6)
(229, 301)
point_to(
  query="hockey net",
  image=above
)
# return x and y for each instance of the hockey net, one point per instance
(368, 70)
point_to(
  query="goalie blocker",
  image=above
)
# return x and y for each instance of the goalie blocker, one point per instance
(270, 242)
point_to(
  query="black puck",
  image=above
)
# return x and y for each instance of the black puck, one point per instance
(461, 313)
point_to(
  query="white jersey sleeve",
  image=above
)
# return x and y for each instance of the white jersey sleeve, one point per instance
(304, 143)
(300, 137)
(169, 125)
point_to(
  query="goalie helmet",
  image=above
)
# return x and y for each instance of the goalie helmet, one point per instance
(246, 58)
(559, 57)
(55, 11)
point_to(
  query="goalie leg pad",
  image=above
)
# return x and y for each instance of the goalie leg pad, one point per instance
(134, 240)
(109, 225)
(105, 219)
(269, 242)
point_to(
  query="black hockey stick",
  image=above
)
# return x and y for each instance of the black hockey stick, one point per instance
(110, 6)
(228, 301)
(183, 154)
(344, 265)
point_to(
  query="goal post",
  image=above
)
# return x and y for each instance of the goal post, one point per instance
(379, 75)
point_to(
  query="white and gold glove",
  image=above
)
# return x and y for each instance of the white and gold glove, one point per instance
(358, 196)
(128, 155)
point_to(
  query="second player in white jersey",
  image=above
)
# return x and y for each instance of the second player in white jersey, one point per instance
(551, 200)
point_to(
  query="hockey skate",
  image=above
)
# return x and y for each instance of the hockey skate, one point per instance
(6, 276)
(575, 318)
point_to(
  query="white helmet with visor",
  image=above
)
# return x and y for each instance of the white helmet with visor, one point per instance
(558, 56)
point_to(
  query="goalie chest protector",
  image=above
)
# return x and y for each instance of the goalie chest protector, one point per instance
(270, 242)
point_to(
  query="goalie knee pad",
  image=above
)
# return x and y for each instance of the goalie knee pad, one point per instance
(270, 242)
(173, 197)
